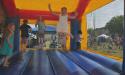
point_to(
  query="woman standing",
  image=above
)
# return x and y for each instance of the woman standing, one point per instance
(7, 44)
(62, 27)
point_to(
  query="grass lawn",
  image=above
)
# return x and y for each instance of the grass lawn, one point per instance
(116, 52)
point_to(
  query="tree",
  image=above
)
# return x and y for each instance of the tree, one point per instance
(115, 25)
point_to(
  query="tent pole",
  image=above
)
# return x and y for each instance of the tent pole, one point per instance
(123, 65)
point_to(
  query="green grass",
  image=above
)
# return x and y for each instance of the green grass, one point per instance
(115, 52)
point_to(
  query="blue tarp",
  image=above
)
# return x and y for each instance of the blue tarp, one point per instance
(48, 28)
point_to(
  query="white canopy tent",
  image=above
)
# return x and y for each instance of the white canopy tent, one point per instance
(103, 35)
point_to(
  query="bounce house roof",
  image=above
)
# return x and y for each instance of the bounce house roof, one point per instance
(31, 9)
(42, 5)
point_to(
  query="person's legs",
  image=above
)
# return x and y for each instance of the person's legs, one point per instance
(2, 60)
(22, 48)
(59, 38)
(25, 43)
(64, 40)
(41, 39)
(41, 42)
(6, 61)
(22, 44)
(38, 34)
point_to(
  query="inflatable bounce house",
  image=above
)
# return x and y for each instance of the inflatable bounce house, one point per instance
(56, 62)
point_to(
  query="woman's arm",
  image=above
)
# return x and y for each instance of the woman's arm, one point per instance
(8, 40)
(74, 16)
(50, 9)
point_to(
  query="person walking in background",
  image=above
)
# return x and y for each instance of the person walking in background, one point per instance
(6, 47)
(25, 29)
(62, 27)
(41, 29)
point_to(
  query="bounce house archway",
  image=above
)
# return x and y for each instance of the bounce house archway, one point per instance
(21, 9)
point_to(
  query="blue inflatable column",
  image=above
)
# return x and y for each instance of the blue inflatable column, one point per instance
(75, 26)
(17, 34)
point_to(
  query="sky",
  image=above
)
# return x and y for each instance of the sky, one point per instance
(104, 14)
